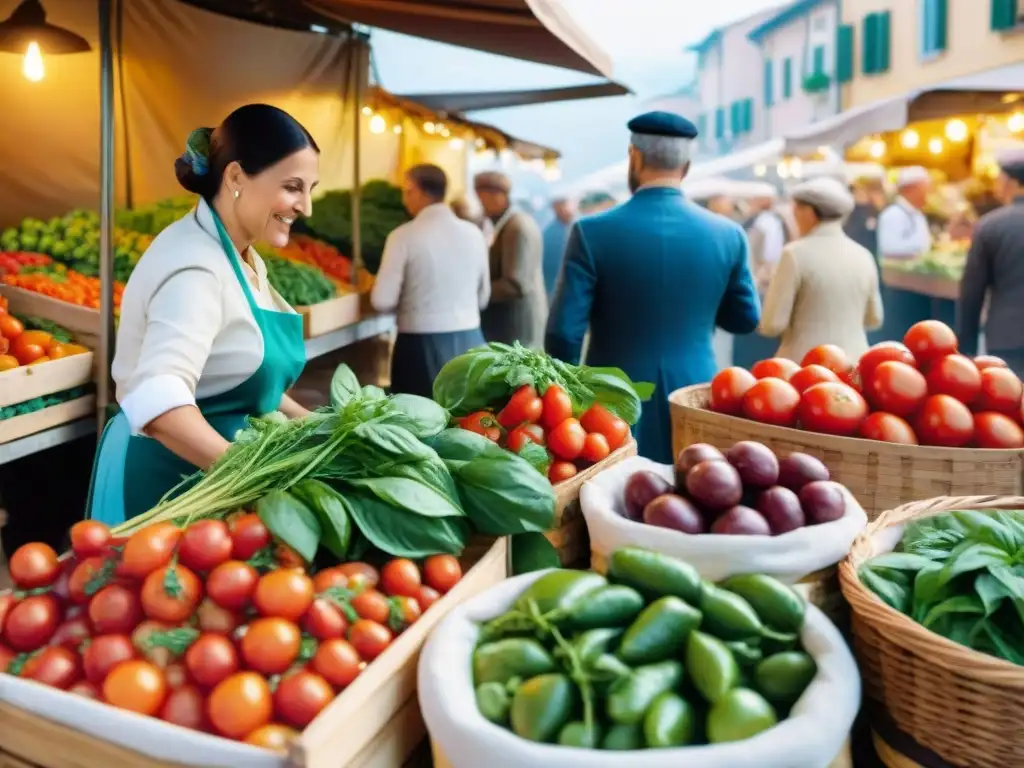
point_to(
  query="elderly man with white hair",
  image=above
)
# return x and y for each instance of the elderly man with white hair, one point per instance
(652, 278)
(825, 290)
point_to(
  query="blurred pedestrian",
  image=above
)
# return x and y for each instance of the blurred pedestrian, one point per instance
(555, 235)
(468, 210)
(862, 224)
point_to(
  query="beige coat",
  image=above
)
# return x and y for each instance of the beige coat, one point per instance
(824, 291)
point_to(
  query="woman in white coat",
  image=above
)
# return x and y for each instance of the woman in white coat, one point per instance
(825, 288)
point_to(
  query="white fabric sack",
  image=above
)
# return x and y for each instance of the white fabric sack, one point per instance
(811, 737)
(788, 557)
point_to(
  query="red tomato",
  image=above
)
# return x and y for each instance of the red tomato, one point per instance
(176, 675)
(557, 407)
(427, 596)
(524, 407)
(810, 375)
(896, 388)
(205, 545)
(7, 601)
(149, 549)
(240, 705)
(772, 401)
(833, 408)
(774, 368)
(404, 613)
(34, 565)
(324, 621)
(72, 632)
(728, 388)
(137, 686)
(171, 594)
(956, 376)
(248, 536)
(149, 639)
(880, 353)
(273, 736)
(231, 585)
(337, 662)
(566, 440)
(400, 577)
(521, 435)
(54, 666)
(89, 577)
(89, 538)
(595, 448)
(559, 471)
(31, 623)
(442, 572)
(185, 706)
(1001, 391)
(989, 361)
(328, 579)
(483, 423)
(271, 645)
(598, 419)
(364, 573)
(212, 618)
(286, 593)
(945, 421)
(115, 610)
(369, 638)
(889, 428)
(828, 356)
(997, 430)
(301, 696)
(103, 654)
(82, 688)
(210, 659)
(930, 339)
(373, 605)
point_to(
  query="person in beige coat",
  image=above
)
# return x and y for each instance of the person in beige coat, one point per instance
(825, 289)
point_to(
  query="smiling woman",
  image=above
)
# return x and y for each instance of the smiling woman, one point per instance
(204, 341)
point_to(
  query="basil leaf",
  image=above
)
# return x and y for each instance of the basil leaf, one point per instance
(411, 495)
(614, 394)
(461, 445)
(331, 510)
(470, 381)
(536, 456)
(432, 473)
(403, 534)
(396, 443)
(344, 386)
(901, 561)
(960, 604)
(988, 529)
(972, 556)
(643, 389)
(532, 552)
(991, 591)
(894, 595)
(422, 417)
(290, 521)
(928, 585)
(1005, 644)
(372, 392)
(504, 495)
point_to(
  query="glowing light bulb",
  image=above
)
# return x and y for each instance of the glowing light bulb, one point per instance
(32, 68)
(377, 124)
(877, 149)
(956, 130)
(456, 143)
(396, 128)
(796, 168)
(760, 170)
(1016, 122)
(367, 111)
(935, 146)
(480, 143)
(428, 127)
(910, 139)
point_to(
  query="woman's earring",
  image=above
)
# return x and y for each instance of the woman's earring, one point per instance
(237, 193)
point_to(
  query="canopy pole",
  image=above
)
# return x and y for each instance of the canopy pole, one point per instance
(362, 63)
(106, 336)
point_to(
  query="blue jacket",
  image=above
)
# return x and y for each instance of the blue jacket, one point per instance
(652, 278)
(555, 235)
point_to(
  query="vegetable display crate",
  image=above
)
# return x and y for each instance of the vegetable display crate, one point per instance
(961, 704)
(881, 475)
(374, 723)
(84, 323)
(28, 382)
(936, 286)
(569, 536)
(47, 418)
(327, 316)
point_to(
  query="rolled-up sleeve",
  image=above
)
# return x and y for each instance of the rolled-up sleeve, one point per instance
(183, 318)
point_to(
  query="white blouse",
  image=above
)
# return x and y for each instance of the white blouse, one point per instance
(186, 330)
(903, 231)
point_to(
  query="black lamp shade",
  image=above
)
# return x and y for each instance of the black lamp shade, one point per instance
(28, 25)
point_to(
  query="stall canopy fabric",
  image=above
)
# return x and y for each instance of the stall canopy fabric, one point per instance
(741, 159)
(470, 101)
(979, 93)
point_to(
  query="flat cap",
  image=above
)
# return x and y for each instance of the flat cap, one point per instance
(663, 124)
(827, 194)
(1011, 162)
(913, 174)
(493, 181)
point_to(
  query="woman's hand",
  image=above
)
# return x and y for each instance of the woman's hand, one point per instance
(292, 409)
(185, 432)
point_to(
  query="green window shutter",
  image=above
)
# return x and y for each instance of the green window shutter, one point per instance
(787, 77)
(869, 45)
(748, 115)
(1003, 15)
(818, 60)
(769, 83)
(720, 123)
(884, 45)
(844, 53)
(936, 25)
(702, 128)
(734, 118)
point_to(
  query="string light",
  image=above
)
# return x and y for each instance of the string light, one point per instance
(1016, 122)
(956, 130)
(877, 150)
(367, 111)
(760, 170)
(378, 124)
(910, 139)
(796, 168)
(456, 144)
(396, 128)
(935, 146)
(428, 127)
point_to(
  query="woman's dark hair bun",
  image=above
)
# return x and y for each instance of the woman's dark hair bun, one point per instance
(189, 179)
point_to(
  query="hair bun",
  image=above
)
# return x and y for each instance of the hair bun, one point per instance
(187, 176)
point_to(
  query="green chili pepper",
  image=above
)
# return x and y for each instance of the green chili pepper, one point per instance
(655, 574)
(614, 605)
(493, 702)
(745, 652)
(624, 738)
(502, 660)
(669, 722)
(659, 632)
(591, 644)
(776, 604)
(727, 615)
(629, 698)
(711, 666)
(577, 734)
(542, 706)
(558, 590)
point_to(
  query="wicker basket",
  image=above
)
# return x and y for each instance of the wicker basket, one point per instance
(959, 703)
(881, 475)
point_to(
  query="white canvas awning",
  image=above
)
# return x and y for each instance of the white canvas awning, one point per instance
(748, 157)
(981, 92)
(715, 186)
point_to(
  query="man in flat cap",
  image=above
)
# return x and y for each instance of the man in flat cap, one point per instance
(995, 267)
(652, 278)
(519, 304)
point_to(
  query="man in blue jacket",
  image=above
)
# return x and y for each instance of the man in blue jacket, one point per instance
(652, 278)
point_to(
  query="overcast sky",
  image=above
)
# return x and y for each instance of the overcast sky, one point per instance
(645, 38)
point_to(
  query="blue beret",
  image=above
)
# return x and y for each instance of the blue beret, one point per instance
(663, 124)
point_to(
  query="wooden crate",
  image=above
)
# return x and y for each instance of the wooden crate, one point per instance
(936, 286)
(31, 381)
(374, 723)
(84, 323)
(327, 316)
(47, 418)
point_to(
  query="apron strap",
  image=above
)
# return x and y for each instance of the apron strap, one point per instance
(235, 258)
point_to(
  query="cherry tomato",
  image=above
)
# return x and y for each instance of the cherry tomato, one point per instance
(89, 577)
(176, 675)
(248, 536)
(147, 639)
(772, 401)
(367, 574)
(404, 613)
(524, 407)
(880, 353)
(210, 659)
(810, 375)
(137, 686)
(271, 645)
(171, 594)
(212, 618)
(34, 565)
(83, 688)
(928, 340)
(89, 538)
(595, 448)
(566, 440)
(896, 388)
(369, 638)
(442, 572)
(559, 471)
(599, 419)
(372, 605)
(888, 428)
(185, 706)
(273, 736)
(301, 696)
(287, 557)
(286, 593)
(833, 408)
(997, 430)
(328, 579)
(989, 361)
(427, 596)
(828, 356)
(31, 623)
(103, 654)
(774, 368)
(205, 545)
(337, 662)
(232, 584)
(954, 375)
(324, 621)
(944, 420)
(115, 610)
(557, 407)
(728, 388)
(72, 632)
(55, 666)
(149, 548)
(523, 434)
(240, 705)
(483, 423)
(400, 577)
(1001, 391)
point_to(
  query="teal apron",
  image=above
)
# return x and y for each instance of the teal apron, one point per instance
(132, 473)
